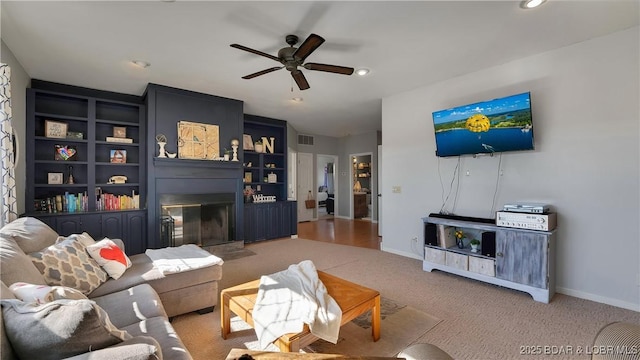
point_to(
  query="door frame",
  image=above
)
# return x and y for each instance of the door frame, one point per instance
(352, 183)
(335, 181)
(302, 195)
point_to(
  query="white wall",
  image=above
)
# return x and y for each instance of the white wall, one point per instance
(586, 163)
(20, 81)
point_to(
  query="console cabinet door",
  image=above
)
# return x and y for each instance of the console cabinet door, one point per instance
(135, 238)
(522, 257)
(67, 225)
(111, 226)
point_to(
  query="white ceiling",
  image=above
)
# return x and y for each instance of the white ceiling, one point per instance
(405, 44)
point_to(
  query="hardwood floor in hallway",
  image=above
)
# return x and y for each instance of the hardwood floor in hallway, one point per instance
(359, 233)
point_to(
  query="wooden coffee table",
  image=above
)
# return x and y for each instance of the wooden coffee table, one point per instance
(352, 298)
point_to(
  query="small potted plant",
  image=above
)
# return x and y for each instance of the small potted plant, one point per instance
(475, 243)
(227, 154)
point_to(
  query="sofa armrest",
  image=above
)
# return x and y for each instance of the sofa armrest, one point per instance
(137, 348)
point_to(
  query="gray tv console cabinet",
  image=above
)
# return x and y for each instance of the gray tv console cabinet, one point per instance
(524, 259)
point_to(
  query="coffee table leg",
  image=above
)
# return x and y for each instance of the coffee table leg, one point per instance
(225, 317)
(375, 319)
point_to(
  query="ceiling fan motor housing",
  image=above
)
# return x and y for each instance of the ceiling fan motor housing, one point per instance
(286, 58)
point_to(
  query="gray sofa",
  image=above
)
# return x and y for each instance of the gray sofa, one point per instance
(140, 302)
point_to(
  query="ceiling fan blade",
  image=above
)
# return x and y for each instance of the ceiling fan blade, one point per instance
(298, 76)
(265, 71)
(308, 46)
(329, 68)
(255, 52)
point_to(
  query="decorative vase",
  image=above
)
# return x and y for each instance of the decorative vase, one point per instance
(257, 147)
(474, 248)
(460, 243)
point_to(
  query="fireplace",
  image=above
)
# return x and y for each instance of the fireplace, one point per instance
(202, 219)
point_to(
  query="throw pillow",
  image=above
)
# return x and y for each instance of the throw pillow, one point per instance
(108, 255)
(58, 329)
(67, 263)
(84, 238)
(41, 294)
(29, 233)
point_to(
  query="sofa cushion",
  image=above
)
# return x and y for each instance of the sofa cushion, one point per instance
(58, 329)
(160, 329)
(129, 306)
(137, 348)
(142, 271)
(67, 263)
(108, 255)
(6, 351)
(16, 265)
(41, 294)
(29, 233)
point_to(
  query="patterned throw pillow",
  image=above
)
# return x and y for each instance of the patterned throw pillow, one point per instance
(59, 329)
(108, 255)
(41, 294)
(67, 263)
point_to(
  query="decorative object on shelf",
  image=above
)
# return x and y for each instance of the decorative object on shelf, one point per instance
(310, 203)
(76, 135)
(118, 156)
(459, 234)
(198, 141)
(234, 146)
(123, 140)
(247, 142)
(259, 198)
(357, 187)
(54, 178)
(258, 146)
(65, 152)
(117, 179)
(119, 132)
(227, 154)
(248, 177)
(70, 179)
(161, 139)
(171, 155)
(248, 194)
(55, 129)
(272, 178)
(268, 144)
(475, 243)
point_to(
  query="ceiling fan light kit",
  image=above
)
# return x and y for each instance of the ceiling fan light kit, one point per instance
(291, 58)
(530, 4)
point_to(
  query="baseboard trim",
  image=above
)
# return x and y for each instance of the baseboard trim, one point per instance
(342, 217)
(599, 299)
(401, 253)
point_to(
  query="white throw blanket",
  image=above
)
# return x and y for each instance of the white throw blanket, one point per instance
(290, 298)
(171, 260)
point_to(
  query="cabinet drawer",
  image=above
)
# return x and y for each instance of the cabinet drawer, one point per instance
(482, 266)
(457, 261)
(434, 255)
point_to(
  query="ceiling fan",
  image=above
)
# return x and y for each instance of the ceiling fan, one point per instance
(291, 58)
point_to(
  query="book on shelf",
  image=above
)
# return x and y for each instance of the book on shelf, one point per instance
(119, 139)
(106, 201)
(66, 202)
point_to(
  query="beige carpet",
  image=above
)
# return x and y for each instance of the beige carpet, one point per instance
(479, 321)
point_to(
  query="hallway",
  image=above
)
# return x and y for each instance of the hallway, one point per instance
(358, 233)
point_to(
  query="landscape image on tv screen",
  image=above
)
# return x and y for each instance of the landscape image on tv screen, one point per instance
(492, 126)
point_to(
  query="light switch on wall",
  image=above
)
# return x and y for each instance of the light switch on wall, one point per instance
(396, 189)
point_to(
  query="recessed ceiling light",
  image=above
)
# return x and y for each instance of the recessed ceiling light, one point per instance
(530, 4)
(141, 63)
(362, 72)
(297, 99)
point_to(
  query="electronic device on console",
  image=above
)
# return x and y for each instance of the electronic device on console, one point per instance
(531, 221)
(533, 208)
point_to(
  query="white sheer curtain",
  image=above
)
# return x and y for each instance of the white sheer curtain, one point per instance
(7, 160)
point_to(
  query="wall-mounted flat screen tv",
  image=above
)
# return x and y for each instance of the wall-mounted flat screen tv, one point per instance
(492, 126)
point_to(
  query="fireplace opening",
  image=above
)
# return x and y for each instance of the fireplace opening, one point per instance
(201, 219)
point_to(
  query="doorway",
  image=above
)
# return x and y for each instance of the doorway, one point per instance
(305, 189)
(326, 168)
(361, 186)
